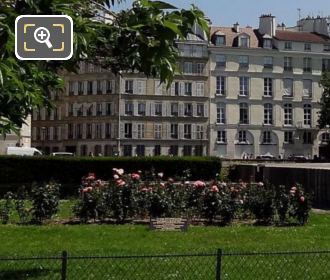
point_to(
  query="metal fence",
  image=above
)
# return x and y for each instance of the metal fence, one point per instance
(216, 266)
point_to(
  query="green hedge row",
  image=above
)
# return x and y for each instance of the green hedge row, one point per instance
(68, 171)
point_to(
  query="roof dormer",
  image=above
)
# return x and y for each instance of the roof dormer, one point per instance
(243, 40)
(219, 38)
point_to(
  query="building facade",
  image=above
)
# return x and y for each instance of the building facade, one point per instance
(247, 92)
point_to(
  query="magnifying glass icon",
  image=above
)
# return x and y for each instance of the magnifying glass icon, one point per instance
(41, 35)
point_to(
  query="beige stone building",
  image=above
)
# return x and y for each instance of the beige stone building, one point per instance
(12, 140)
(248, 92)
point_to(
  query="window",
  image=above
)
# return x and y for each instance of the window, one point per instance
(174, 131)
(174, 109)
(140, 131)
(288, 114)
(188, 89)
(220, 60)
(268, 43)
(220, 85)
(200, 89)
(288, 87)
(177, 88)
(268, 114)
(89, 131)
(71, 88)
(141, 109)
(307, 114)
(307, 64)
(109, 86)
(70, 132)
(128, 130)
(325, 64)
(200, 110)
(307, 47)
(99, 109)
(98, 130)
(158, 109)
(129, 86)
(287, 63)
(243, 61)
(129, 108)
(108, 110)
(199, 132)
(326, 48)
(244, 86)
(79, 131)
(199, 68)
(268, 86)
(221, 113)
(81, 88)
(71, 110)
(268, 62)
(55, 135)
(199, 150)
(242, 137)
(108, 130)
(174, 150)
(90, 110)
(80, 111)
(220, 40)
(187, 131)
(244, 41)
(307, 137)
(221, 136)
(141, 87)
(243, 113)
(187, 150)
(288, 137)
(99, 87)
(307, 88)
(158, 131)
(266, 137)
(187, 68)
(90, 87)
(188, 110)
(128, 150)
(325, 138)
(83, 150)
(288, 45)
(157, 150)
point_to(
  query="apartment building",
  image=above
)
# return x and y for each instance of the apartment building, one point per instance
(130, 115)
(264, 88)
(247, 92)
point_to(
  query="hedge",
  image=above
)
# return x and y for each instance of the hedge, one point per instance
(16, 170)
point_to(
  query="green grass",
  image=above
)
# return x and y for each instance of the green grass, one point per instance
(138, 239)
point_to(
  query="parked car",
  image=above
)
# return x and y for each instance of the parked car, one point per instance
(62, 154)
(23, 151)
(297, 158)
(266, 156)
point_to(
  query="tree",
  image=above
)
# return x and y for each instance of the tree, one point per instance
(324, 119)
(141, 38)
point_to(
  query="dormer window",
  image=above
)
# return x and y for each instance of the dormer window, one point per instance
(220, 40)
(244, 41)
(288, 45)
(326, 48)
(268, 43)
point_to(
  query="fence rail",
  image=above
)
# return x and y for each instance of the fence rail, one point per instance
(215, 266)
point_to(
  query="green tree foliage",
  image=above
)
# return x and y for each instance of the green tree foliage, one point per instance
(138, 39)
(324, 119)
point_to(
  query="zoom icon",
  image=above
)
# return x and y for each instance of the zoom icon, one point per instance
(43, 37)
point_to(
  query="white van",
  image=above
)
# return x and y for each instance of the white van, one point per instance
(23, 151)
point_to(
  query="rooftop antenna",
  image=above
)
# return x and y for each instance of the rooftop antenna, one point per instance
(299, 18)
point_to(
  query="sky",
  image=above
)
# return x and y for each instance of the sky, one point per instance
(247, 12)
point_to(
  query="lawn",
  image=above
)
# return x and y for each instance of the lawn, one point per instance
(138, 239)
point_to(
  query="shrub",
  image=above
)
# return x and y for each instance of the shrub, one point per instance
(6, 207)
(300, 204)
(45, 200)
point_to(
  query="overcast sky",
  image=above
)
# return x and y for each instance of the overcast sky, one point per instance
(247, 12)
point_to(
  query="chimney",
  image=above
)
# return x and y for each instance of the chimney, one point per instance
(267, 25)
(236, 27)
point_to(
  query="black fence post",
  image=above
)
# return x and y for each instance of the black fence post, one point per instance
(218, 267)
(64, 265)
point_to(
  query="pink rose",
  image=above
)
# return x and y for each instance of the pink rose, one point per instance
(160, 174)
(91, 176)
(171, 180)
(302, 199)
(120, 171)
(215, 189)
(199, 184)
(135, 176)
(87, 190)
(162, 185)
(120, 183)
(260, 184)
(116, 177)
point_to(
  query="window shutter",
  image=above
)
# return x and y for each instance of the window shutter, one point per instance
(181, 110)
(66, 130)
(164, 114)
(152, 109)
(193, 89)
(122, 108)
(193, 131)
(34, 133)
(181, 130)
(104, 87)
(158, 87)
(94, 87)
(194, 110)
(135, 87)
(173, 89)
(181, 88)
(206, 110)
(135, 109)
